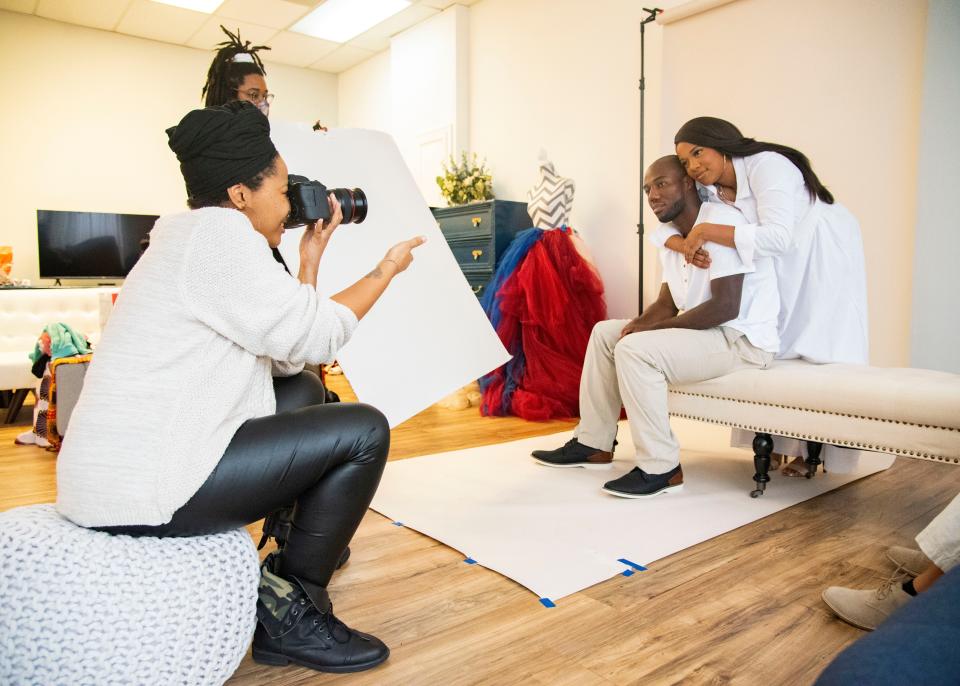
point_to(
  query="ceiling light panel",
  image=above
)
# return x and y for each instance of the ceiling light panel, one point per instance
(378, 38)
(160, 22)
(341, 20)
(277, 14)
(206, 6)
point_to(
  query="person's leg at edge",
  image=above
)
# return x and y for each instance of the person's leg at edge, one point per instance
(867, 609)
(600, 400)
(646, 363)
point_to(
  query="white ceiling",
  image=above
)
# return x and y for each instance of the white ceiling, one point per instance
(262, 22)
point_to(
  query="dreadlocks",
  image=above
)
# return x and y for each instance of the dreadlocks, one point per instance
(226, 75)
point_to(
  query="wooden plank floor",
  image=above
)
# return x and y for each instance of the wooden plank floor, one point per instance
(743, 608)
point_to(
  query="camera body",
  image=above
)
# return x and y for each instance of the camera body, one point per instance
(308, 202)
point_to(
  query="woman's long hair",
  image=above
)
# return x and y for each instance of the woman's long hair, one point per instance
(726, 138)
(226, 75)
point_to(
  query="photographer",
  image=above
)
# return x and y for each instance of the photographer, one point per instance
(201, 439)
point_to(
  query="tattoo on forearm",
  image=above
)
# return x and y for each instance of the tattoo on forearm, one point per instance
(375, 274)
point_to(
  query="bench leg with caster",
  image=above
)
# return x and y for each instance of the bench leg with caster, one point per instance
(813, 458)
(762, 447)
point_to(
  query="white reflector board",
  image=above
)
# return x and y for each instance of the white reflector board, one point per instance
(427, 335)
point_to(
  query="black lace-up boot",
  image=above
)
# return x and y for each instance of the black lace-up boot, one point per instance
(296, 624)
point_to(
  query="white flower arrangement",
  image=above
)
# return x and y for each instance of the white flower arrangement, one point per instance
(465, 181)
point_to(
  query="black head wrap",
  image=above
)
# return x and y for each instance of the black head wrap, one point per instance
(221, 146)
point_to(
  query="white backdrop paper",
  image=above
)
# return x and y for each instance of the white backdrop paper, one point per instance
(427, 335)
(555, 532)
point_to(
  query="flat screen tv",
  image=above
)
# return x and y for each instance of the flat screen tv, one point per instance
(90, 245)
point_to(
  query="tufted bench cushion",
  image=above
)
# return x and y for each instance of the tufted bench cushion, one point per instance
(912, 412)
(79, 606)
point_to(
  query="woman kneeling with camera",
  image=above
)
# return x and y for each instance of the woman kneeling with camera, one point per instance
(181, 429)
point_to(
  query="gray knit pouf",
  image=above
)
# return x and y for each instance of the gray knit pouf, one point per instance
(83, 607)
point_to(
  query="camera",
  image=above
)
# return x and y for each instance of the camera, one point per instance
(308, 202)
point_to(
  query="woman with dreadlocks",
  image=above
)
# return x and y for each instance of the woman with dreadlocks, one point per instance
(237, 73)
(814, 241)
(214, 442)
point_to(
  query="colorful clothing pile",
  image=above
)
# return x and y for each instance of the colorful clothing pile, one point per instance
(543, 302)
(57, 343)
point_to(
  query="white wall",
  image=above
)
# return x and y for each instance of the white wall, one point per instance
(552, 75)
(83, 126)
(429, 86)
(417, 91)
(562, 76)
(936, 279)
(365, 95)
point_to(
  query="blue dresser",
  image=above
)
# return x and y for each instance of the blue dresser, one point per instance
(479, 233)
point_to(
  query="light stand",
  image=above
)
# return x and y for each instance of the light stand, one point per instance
(651, 16)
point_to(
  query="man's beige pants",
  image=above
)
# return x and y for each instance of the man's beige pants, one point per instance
(633, 372)
(940, 541)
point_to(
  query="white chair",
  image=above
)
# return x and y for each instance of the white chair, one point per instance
(79, 606)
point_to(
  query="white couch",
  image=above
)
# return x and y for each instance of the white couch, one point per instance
(25, 311)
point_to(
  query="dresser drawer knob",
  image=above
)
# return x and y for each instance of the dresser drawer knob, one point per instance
(476, 221)
(477, 254)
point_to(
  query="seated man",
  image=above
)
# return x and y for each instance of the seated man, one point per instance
(704, 324)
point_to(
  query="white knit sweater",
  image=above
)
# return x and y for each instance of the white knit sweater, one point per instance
(184, 360)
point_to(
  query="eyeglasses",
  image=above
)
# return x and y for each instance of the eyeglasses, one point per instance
(257, 97)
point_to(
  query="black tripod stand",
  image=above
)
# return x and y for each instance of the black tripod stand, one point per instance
(651, 16)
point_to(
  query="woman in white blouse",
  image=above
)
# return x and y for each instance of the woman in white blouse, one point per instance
(815, 243)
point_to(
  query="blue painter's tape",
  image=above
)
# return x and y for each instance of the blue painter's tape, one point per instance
(639, 568)
(398, 523)
(546, 602)
(470, 561)
(628, 572)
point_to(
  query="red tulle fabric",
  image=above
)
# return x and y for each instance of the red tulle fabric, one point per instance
(549, 306)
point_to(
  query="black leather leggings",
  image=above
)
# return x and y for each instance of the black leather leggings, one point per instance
(327, 459)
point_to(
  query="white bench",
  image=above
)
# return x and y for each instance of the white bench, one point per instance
(910, 412)
(23, 314)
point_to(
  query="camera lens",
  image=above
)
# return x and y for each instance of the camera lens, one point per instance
(353, 204)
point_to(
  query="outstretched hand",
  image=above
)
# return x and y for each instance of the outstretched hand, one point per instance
(402, 253)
